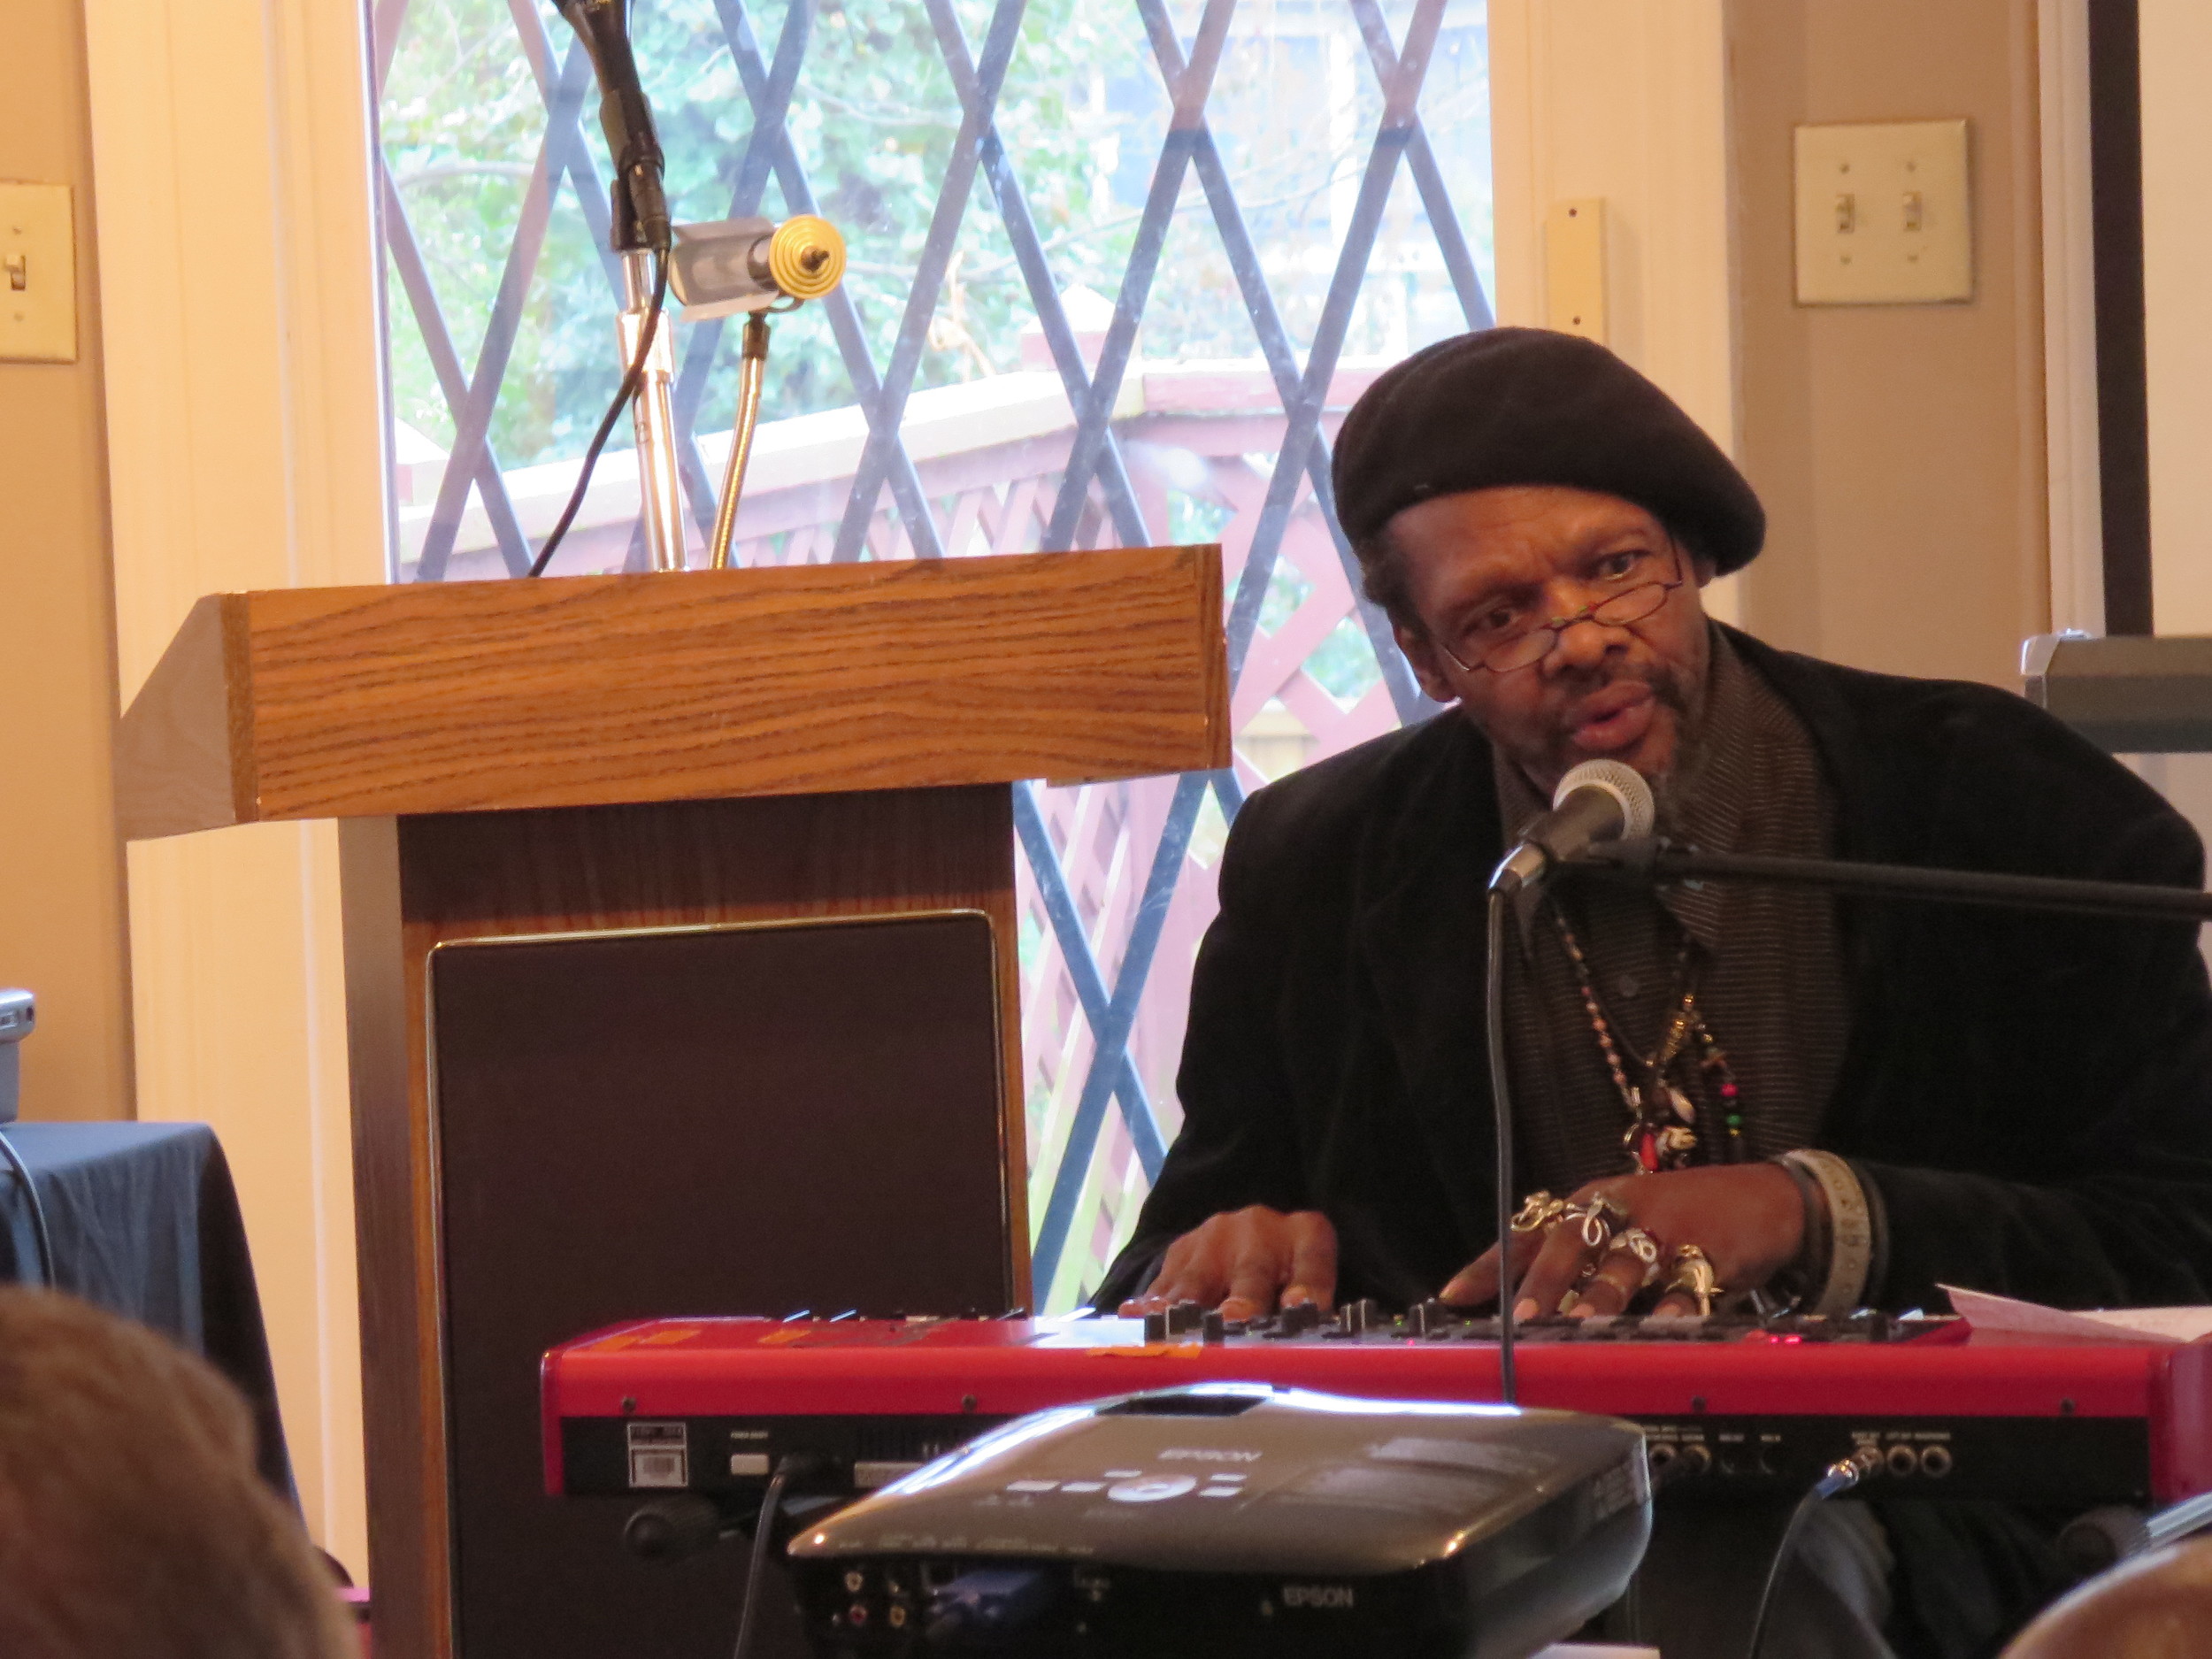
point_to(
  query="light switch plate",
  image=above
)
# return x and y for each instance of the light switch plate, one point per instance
(38, 275)
(1885, 216)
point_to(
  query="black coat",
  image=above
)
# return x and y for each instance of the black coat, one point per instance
(2032, 1096)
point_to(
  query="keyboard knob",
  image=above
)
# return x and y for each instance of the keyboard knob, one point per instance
(1429, 1318)
(1357, 1318)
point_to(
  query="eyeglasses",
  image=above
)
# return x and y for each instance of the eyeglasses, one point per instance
(1504, 643)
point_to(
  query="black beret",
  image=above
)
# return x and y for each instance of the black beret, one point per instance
(1528, 406)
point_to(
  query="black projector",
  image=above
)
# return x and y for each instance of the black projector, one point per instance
(1231, 1518)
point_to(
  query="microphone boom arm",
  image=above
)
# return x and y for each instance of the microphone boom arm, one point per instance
(1655, 861)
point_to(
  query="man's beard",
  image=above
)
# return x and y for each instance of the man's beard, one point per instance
(1686, 770)
(1671, 689)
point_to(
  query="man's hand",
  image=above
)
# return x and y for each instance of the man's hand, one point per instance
(1747, 1219)
(1250, 1261)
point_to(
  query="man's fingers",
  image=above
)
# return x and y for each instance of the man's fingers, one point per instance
(1256, 1276)
(1618, 1280)
(1195, 1277)
(1312, 1262)
(1242, 1262)
(1151, 1302)
(1477, 1282)
(1474, 1284)
(1554, 1271)
(1253, 1285)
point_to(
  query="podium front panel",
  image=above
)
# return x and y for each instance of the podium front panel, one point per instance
(703, 1120)
(704, 1055)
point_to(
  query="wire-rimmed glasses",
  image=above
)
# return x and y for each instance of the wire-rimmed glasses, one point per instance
(1638, 596)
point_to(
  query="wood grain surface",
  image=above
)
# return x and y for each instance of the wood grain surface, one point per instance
(427, 698)
(183, 755)
(411, 884)
(395, 1219)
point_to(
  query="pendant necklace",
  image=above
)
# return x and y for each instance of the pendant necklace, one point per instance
(1663, 1111)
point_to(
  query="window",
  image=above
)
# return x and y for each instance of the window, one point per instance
(1117, 267)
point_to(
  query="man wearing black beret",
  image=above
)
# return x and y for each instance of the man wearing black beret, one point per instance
(1831, 1103)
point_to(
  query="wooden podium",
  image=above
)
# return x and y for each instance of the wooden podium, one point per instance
(681, 972)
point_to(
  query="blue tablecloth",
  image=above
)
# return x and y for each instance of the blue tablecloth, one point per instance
(145, 1222)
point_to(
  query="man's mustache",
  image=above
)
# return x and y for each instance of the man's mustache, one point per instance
(1663, 680)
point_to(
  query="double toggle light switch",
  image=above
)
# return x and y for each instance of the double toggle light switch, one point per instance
(1884, 214)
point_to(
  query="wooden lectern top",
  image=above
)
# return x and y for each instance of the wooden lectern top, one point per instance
(469, 696)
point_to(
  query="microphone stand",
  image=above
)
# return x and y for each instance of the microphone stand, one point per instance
(1656, 862)
(653, 410)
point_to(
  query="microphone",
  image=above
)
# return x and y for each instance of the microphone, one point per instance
(641, 206)
(1598, 801)
(729, 265)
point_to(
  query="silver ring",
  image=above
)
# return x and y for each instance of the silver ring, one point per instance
(1636, 1242)
(1599, 1217)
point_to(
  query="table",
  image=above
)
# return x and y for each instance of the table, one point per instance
(145, 1223)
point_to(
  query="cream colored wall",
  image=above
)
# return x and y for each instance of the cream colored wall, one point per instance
(201, 333)
(2177, 56)
(1899, 449)
(61, 868)
(1624, 100)
(2070, 318)
(230, 140)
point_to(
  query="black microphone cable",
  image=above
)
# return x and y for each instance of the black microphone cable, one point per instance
(631, 381)
(794, 1464)
(1502, 1104)
(1840, 1476)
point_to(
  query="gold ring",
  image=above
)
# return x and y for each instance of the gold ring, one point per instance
(1694, 1276)
(1537, 1212)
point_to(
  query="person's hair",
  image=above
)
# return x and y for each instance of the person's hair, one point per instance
(131, 1519)
(1382, 572)
(1382, 577)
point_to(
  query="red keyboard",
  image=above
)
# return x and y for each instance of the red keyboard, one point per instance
(710, 1405)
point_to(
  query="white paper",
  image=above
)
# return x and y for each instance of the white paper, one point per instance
(2164, 1325)
(2006, 1316)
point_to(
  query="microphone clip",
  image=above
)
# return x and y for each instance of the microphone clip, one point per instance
(1520, 880)
(1599, 803)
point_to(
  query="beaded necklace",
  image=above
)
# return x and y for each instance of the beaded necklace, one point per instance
(1662, 1132)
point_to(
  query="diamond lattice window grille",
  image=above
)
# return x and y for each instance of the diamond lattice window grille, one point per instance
(1119, 266)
